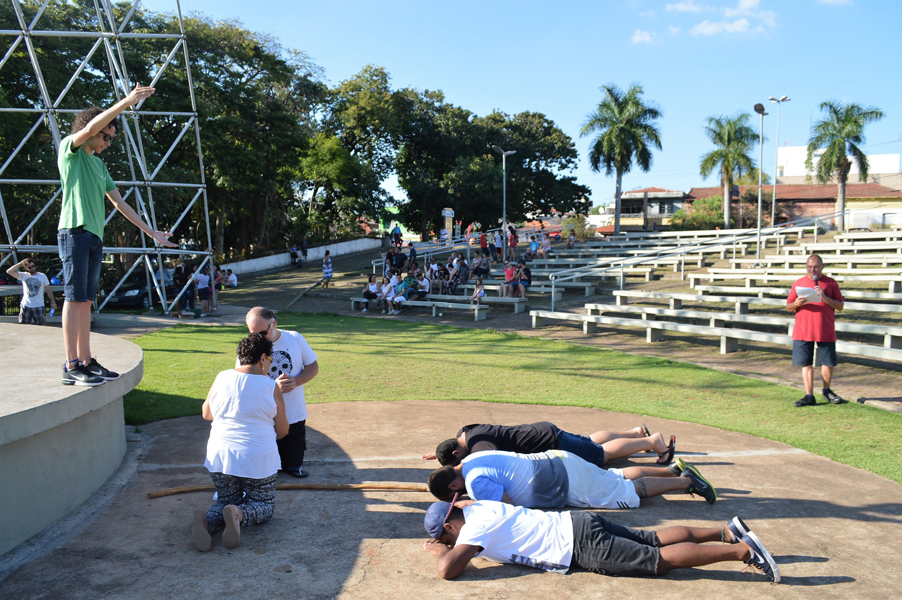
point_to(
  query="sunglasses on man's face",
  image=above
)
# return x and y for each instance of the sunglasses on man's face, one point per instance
(107, 137)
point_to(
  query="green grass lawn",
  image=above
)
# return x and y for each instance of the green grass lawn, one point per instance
(378, 359)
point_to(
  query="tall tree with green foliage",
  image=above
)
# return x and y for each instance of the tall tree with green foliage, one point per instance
(734, 139)
(626, 130)
(841, 132)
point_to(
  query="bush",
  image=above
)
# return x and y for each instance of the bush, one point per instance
(579, 225)
(707, 213)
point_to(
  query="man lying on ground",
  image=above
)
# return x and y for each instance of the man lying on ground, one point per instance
(555, 479)
(560, 541)
(597, 448)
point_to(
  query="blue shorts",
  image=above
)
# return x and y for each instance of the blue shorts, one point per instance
(525, 283)
(582, 446)
(81, 252)
(803, 353)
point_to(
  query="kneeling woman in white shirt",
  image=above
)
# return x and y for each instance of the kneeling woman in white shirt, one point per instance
(248, 414)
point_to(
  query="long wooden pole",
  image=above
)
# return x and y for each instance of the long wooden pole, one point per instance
(392, 487)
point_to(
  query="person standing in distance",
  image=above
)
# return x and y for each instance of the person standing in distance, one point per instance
(34, 284)
(815, 322)
(85, 182)
(293, 365)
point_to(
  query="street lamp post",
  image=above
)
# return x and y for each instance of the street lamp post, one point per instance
(504, 156)
(759, 108)
(773, 207)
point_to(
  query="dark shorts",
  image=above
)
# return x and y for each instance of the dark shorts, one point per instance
(81, 252)
(28, 315)
(418, 295)
(582, 446)
(803, 353)
(606, 548)
(525, 283)
(203, 294)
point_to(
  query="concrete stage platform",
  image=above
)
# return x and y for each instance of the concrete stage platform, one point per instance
(832, 529)
(58, 444)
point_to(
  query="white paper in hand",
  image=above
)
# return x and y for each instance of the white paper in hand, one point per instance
(808, 294)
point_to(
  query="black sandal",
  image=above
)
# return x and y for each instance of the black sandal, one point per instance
(647, 434)
(666, 457)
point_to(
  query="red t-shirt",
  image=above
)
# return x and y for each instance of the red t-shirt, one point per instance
(815, 320)
(482, 243)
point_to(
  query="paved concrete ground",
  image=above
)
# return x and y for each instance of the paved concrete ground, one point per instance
(833, 530)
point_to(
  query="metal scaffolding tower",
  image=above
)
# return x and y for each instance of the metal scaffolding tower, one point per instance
(109, 38)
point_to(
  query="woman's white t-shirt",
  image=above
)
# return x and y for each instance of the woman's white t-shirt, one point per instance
(373, 288)
(243, 436)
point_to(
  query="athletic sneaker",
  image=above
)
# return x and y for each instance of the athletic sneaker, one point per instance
(832, 396)
(678, 466)
(699, 485)
(806, 400)
(80, 376)
(760, 558)
(365, 310)
(95, 369)
(738, 528)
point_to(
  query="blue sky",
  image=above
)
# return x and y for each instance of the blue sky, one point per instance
(694, 58)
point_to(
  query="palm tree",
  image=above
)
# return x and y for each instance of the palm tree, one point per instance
(734, 140)
(626, 129)
(839, 134)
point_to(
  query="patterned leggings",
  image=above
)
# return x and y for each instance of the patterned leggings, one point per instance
(255, 497)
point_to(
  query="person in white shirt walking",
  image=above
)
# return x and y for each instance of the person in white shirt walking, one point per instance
(34, 285)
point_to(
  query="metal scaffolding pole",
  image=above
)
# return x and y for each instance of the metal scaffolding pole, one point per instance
(141, 179)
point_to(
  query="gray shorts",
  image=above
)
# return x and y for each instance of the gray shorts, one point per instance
(606, 548)
(803, 353)
(32, 315)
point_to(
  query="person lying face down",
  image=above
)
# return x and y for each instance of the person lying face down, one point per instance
(598, 448)
(556, 478)
(562, 541)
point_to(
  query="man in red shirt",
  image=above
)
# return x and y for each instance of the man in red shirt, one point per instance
(814, 299)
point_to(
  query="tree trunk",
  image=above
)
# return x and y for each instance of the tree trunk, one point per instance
(617, 203)
(841, 175)
(727, 196)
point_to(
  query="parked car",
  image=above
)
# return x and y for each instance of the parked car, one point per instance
(133, 291)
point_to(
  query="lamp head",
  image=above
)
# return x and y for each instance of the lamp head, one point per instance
(759, 108)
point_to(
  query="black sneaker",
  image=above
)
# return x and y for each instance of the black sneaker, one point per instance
(79, 375)
(95, 369)
(832, 396)
(738, 528)
(760, 558)
(699, 485)
(678, 466)
(806, 400)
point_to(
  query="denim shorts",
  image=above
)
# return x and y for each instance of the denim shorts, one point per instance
(582, 446)
(607, 548)
(81, 252)
(803, 353)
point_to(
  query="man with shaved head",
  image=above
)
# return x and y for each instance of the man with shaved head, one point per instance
(293, 365)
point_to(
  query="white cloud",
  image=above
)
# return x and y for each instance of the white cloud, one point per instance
(641, 37)
(673, 30)
(716, 27)
(685, 6)
(649, 13)
(744, 8)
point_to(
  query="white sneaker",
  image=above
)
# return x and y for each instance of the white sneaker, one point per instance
(365, 310)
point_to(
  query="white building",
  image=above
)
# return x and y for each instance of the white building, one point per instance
(882, 168)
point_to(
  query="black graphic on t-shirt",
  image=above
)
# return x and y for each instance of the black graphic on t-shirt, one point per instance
(34, 286)
(281, 363)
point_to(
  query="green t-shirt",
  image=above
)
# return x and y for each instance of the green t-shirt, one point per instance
(85, 184)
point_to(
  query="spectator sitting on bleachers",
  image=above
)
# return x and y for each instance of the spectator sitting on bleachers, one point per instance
(571, 240)
(386, 293)
(533, 248)
(399, 260)
(464, 267)
(545, 246)
(524, 277)
(481, 266)
(370, 292)
(509, 280)
(388, 264)
(422, 287)
(478, 292)
(232, 281)
(414, 268)
(454, 279)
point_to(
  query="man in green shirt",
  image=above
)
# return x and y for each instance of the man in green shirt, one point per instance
(85, 182)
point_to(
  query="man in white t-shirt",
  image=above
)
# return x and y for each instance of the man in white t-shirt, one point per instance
(293, 364)
(232, 280)
(561, 541)
(556, 478)
(34, 285)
